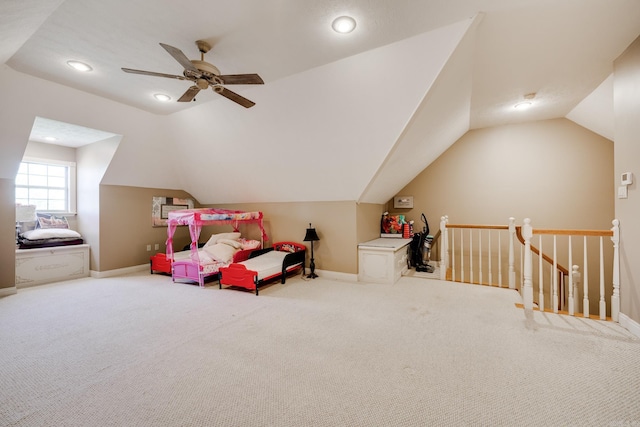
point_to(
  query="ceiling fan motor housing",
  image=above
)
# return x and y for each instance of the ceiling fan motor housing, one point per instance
(205, 67)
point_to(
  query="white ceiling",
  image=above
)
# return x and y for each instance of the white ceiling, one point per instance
(562, 50)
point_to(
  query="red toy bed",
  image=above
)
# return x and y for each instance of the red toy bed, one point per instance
(264, 265)
(199, 265)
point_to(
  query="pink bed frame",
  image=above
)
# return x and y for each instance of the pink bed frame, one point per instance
(193, 269)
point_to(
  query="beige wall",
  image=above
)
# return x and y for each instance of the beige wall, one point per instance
(7, 236)
(335, 223)
(368, 221)
(627, 159)
(555, 172)
(125, 226)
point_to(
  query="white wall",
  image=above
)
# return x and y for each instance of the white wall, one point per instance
(143, 158)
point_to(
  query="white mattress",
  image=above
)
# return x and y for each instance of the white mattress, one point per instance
(266, 264)
(204, 257)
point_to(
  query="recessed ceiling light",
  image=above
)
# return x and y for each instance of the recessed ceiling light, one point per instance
(343, 24)
(50, 138)
(79, 66)
(523, 105)
(162, 97)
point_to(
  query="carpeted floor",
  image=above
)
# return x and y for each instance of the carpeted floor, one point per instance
(140, 350)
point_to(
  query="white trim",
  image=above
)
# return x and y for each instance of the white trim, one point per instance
(119, 271)
(71, 202)
(5, 292)
(629, 324)
(335, 275)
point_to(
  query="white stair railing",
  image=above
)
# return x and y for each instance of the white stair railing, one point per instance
(468, 251)
(575, 277)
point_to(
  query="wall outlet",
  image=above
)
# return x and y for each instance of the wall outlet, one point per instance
(148, 248)
(157, 246)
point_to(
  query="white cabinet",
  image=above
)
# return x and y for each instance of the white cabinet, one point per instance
(382, 260)
(45, 265)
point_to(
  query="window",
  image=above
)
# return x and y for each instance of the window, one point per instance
(48, 184)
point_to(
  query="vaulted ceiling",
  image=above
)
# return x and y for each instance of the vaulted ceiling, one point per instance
(340, 116)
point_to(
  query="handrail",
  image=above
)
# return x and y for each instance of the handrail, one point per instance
(594, 233)
(476, 226)
(536, 251)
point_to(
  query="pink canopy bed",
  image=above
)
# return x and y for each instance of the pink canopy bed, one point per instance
(198, 267)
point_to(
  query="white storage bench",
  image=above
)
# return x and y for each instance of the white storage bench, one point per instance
(382, 260)
(46, 265)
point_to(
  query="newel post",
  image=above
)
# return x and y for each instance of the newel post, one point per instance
(512, 271)
(444, 248)
(527, 292)
(615, 298)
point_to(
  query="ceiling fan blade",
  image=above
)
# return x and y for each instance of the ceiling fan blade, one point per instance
(180, 57)
(235, 97)
(189, 94)
(241, 79)
(151, 73)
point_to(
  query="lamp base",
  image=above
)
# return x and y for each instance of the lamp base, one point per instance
(312, 276)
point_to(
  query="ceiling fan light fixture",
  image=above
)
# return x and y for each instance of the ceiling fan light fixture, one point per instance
(79, 66)
(162, 97)
(343, 24)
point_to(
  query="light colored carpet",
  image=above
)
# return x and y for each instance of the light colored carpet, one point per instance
(142, 351)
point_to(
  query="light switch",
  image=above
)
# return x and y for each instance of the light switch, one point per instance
(622, 192)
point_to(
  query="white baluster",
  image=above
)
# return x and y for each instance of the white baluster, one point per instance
(470, 256)
(576, 288)
(480, 255)
(490, 259)
(615, 298)
(585, 283)
(527, 293)
(576, 277)
(555, 274)
(540, 275)
(572, 295)
(444, 249)
(461, 255)
(521, 267)
(453, 254)
(500, 258)
(603, 304)
(512, 270)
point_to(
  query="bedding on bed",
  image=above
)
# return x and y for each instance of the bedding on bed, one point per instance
(49, 237)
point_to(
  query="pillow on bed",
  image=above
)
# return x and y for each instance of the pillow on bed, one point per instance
(286, 247)
(221, 252)
(248, 244)
(52, 221)
(214, 238)
(233, 243)
(49, 233)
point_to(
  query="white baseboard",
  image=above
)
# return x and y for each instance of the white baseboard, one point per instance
(629, 324)
(119, 271)
(5, 292)
(334, 275)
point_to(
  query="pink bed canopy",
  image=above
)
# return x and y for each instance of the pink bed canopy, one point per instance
(196, 218)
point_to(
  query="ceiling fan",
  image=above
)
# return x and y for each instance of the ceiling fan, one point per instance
(203, 75)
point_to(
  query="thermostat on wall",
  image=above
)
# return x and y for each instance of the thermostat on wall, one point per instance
(626, 178)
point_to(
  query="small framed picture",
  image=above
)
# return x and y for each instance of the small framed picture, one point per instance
(401, 202)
